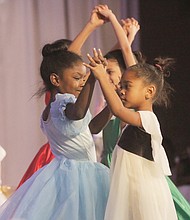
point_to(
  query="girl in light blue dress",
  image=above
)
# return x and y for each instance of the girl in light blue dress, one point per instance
(73, 186)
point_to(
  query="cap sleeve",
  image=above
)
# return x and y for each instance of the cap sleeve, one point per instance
(61, 122)
(151, 125)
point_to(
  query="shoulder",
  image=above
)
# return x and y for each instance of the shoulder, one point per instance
(59, 105)
(149, 121)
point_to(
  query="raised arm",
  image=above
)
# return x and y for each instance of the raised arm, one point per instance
(131, 27)
(78, 110)
(120, 33)
(95, 21)
(115, 104)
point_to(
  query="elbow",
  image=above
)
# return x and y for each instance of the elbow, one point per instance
(79, 115)
(116, 111)
(94, 129)
(72, 114)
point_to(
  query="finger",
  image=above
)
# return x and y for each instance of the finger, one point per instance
(87, 65)
(92, 61)
(101, 57)
(95, 52)
(96, 56)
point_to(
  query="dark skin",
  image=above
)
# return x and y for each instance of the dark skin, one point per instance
(77, 110)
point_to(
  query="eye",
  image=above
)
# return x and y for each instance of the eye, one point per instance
(109, 72)
(125, 86)
(77, 78)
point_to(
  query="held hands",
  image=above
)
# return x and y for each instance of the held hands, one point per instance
(99, 15)
(104, 11)
(96, 20)
(130, 26)
(97, 64)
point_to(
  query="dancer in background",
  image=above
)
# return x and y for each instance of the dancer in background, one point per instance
(139, 189)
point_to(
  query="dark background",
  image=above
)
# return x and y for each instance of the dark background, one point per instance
(165, 31)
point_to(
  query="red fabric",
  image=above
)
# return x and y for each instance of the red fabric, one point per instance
(47, 97)
(43, 157)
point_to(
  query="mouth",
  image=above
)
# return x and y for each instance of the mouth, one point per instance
(123, 101)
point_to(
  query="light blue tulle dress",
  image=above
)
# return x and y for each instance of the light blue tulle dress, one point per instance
(73, 186)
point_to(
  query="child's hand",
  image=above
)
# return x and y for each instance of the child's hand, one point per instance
(130, 26)
(97, 64)
(96, 19)
(104, 11)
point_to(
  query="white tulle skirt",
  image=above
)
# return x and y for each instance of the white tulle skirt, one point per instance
(62, 190)
(139, 190)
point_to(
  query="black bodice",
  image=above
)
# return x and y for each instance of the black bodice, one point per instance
(137, 141)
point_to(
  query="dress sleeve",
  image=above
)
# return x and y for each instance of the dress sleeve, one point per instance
(61, 122)
(151, 125)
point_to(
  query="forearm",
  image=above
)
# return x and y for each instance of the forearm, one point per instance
(78, 110)
(112, 98)
(123, 41)
(80, 39)
(100, 120)
(131, 39)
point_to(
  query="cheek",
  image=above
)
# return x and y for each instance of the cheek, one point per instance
(115, 79)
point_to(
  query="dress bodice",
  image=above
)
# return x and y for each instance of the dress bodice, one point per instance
(147, 142)
(137, 141)
(68, 138)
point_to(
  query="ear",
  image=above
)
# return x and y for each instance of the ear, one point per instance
(151, 90)
(54, 78)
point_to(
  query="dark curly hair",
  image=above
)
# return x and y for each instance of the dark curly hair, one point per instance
(156, 74)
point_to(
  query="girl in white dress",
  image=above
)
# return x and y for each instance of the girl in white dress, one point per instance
(139, 190)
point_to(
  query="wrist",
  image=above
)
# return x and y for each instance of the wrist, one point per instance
(92, 25)
(112, 17)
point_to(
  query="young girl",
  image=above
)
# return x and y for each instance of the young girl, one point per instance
(44, 155)
(73, 185)
(112, 131)
(139, 189)
(115, 68)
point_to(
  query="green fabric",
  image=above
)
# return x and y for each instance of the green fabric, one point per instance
(110, 136)
(181, 204)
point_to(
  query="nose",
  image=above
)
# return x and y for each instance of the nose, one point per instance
(82, 82)
(122, 92)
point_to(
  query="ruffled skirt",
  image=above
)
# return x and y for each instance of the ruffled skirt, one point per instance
(62, 190)
(139, 190)
(43, 157)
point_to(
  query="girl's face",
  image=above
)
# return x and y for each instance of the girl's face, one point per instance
(73, 79)
(114, 72)
(133, 91)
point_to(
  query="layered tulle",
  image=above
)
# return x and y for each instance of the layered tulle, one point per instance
(139, 190)
(63, 189)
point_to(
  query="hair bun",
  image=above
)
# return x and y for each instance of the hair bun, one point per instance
(55, 47)
(164, 65)
(46, 51)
